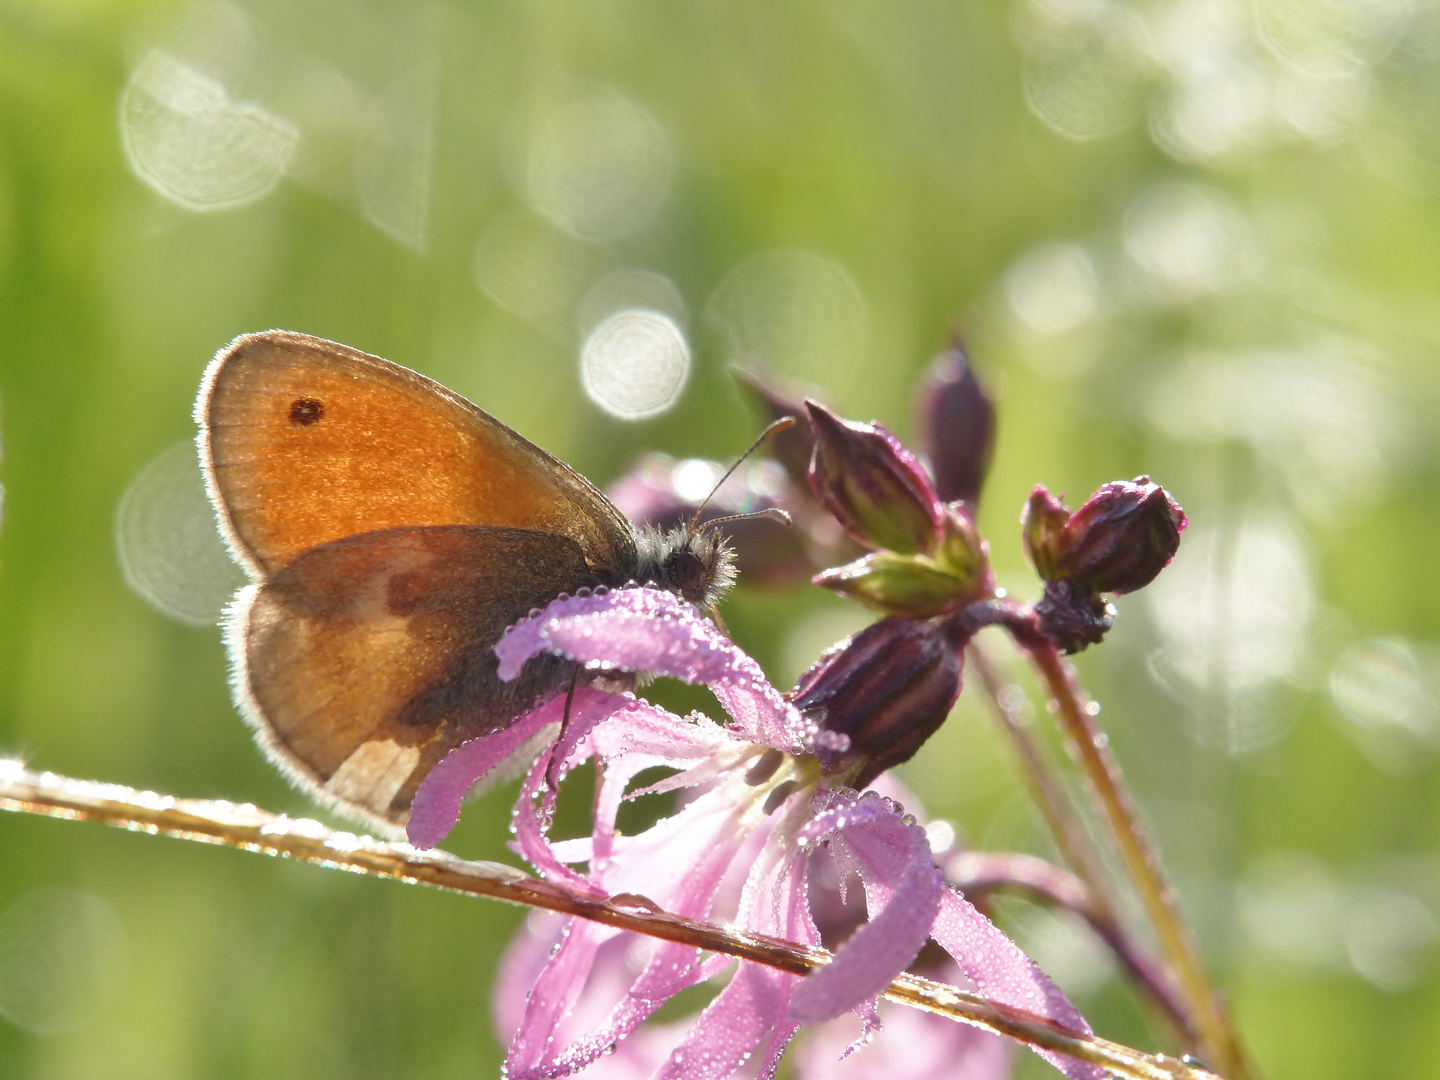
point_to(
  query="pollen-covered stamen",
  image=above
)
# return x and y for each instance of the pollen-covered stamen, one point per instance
(776, 776)
(778, 796)
(765, 768)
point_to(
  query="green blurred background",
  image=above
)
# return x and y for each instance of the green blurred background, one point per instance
(1194, 238)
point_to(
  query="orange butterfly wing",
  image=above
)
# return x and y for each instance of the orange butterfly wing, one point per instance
(305, 441)
(365, 661)
(394, 530)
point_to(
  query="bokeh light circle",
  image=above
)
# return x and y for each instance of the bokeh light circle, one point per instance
(61, 954)
(167, 541)
(189, 141)
(634, 364)
(600, 167)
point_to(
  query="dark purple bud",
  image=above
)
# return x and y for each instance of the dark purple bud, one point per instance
(889, 688)
(958, 420)
(1124, 535)
(874, 487)
(792, 447)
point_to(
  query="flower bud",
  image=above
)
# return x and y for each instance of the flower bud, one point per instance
(1117, 542)
(1124, 535)
(962, 552)
(889, 689)
(958, 420)
(874, 487)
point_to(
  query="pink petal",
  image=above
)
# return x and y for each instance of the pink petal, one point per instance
(695, 848)
(589, 708)
(644, 629)
(793, 903)
(887, 944)
(1000, 971)
(727, 1032)
(436, 808)
(759, 713)
(641, 737)
(520, 966)
(552, 998)
(639, 629)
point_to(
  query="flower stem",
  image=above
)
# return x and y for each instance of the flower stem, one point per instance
(1078, 850)
(1049, 795)
(249, 829)
(1091, 750)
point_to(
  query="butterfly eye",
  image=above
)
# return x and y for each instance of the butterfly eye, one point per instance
(688, 573)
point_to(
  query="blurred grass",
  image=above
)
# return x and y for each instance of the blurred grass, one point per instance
(893, 140)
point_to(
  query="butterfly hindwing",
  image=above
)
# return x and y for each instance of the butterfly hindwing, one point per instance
(367, 659)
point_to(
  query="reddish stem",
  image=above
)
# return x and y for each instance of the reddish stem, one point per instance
(1090, 748)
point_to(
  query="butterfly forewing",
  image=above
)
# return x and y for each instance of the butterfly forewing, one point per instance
(305, 441)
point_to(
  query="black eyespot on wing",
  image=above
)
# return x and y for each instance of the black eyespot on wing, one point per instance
(306, 411)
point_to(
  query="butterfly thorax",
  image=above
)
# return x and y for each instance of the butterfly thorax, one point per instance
(697, 564)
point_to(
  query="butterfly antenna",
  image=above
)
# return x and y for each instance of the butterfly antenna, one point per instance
(785, 423)
(772, 512)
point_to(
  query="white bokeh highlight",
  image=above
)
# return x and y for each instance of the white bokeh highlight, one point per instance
(1053, 288)
(1387, 691)
(1321, 413)
(795, 312)
(167, 541)
(632, 288)
(529, 267)
(599, 167)
(1295, 912)
(62, 955)
(634, 365)
(192, 143)
(1233, 611)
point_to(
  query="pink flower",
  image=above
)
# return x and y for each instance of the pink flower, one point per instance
(755, 817)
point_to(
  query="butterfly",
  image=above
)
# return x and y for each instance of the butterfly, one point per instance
(392, 531)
